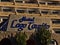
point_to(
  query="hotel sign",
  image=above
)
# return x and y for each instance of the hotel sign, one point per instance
(22, 22)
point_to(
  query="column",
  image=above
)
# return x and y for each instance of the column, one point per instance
(23, 1)
(46, 3)
(14, 2)
(1, 20)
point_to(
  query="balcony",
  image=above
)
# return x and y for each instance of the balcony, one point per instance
(49, 5)
(10, 4)
(55, 25)
(56, 21)
(48, 12)
(6, 13)
(26, 3)
(42, 5)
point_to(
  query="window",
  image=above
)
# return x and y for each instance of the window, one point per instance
(41, 2)
(53, 3)
(53, 42)
(19, 1)
(56, 21)
(7, 9)
(5, 0)
(44, 11)
(57, 31)
(31, 1)
(56, 12)
(21, 10)
(35, 11)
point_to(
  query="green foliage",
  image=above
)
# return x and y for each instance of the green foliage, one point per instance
(21, 38)
(42, 36)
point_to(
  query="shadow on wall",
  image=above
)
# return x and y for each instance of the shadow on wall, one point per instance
(5, 41)
(31, 41)
(8, 41)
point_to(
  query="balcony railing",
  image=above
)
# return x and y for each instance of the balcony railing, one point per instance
(56, 25)
(25, 4)
(42, 5)
(6, 13)
(6, 3)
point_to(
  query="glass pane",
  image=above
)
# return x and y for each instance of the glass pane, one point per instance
(20, 10)
(56, 12)
(53, 3)
(31, 1)
(57, 21)
(19, 1)
(5, 0)
(44, 12)
(57, 31)
(41, 2)
(7, 9)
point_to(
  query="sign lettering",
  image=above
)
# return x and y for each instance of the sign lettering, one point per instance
(30, 24)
